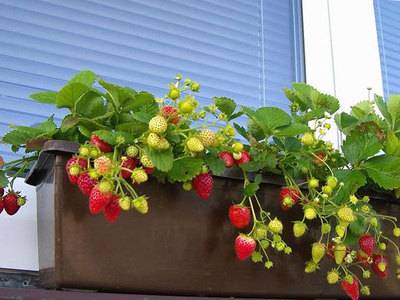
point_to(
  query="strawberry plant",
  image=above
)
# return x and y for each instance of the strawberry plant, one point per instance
(128, 137)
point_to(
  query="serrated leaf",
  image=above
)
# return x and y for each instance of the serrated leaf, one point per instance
(3, 179)
(292, 144)
(71, 93)
(241, 130)
(69, 122)
(345, 122)
(291, 130)
(47, 97)
(359, 147)
(135, 128)
(47, 127)
(216, 165)
(393, 105)
(85, 77)
(84, 131)
(251, 189)
(140, 100)
(358, 227)
(91, 105)
(225, 105)
(185, 169)
(392, 144)
(270, 118)
(352, 181)
(384, 170)
(381, 104)
(162, 160)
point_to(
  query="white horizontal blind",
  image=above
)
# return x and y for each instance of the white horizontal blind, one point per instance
(244, 49)
(387, 14)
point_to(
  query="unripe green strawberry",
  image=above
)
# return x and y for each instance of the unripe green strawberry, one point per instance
(195, 86)
(339, 253)
(153, 140)
(237, 155)
(346, 214)
(194, 145)
(396, 232)
(125, 202)
(299, 228)
(310, 213)
(332, 181)
(207, 137)
(74, 170)
(174, 93)
(308, 139)
(325, 228)
(275, 226)
(365, 290)
(21, 201)
(141, 204)
(84, 151)
(340, 230)
(139, 176)
(188, 105)
(313, 183)
(187, 186)
(93, 174)
(280, 246)
(158, 124)
(146, 161)
(318, 252)
(103, 165)
(260, 232)
(132, 151)
(237, 147)
(332, 277)
(310, 267)
(229, 130)
(164, 144)
(327, 189)
(105, 186)
(94, 152)
(382, 246)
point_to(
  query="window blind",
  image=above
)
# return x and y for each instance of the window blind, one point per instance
(244, 49)
(387, 14)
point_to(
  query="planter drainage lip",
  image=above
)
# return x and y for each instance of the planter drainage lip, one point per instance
(52, 147)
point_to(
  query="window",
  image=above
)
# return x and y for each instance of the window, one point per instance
(387, 14)
(244, 49)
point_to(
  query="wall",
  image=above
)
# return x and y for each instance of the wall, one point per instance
(342, 58)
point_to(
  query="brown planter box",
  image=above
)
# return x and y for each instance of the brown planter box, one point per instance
(183, 246)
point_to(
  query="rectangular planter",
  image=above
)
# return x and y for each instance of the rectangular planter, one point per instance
(183, 246)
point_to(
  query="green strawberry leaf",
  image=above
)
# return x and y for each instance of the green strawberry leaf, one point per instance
(185, 169)
(162, 160)
(70, 94)
(352, 181)
(384, 170)
(270, 118)
(3, 179)
(225, 105)
(359, 147)
(138, 101)
(381, 104)
(393, 106)
(251, 189)
(216, 165)
(292, 130)
(69, 122)
(48, 97)
(85, 77)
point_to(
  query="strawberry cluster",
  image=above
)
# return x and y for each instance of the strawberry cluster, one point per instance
(11, 201)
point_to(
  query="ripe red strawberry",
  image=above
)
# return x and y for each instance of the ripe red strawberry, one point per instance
(86, 183)
(148, 170)
(351, 289)
(244, 159)
(380, 265)
(98, 200)
(367, 244)
(129, 163)
(73, 163)
(239, 216)
(288, 197)
(203, 185)
(10, 202)
(99, 143)
(171, 113)
(112, 210)
(1, 205)
(227, 157)
(244, 246)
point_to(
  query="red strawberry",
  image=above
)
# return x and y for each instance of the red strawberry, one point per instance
(171, 113)
(10, 202)
(73, 164)
(112, 210)
(1, 192)
(244, 246)
(351, 289)
(129, 163)
(227, 157)
(86, 183)
(367, 244)
(203, 185)
(244, 159)
(98, 200)
(1, 205)
(239, 216)
(148, 170)
(380, 265)
(99, 143)
(288, 197)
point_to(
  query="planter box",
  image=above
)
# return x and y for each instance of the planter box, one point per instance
(183, 246)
